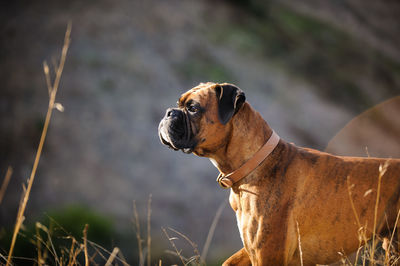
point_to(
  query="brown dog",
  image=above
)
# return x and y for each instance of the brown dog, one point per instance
(294, 193)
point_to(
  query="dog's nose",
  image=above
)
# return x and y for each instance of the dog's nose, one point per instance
(171, 112)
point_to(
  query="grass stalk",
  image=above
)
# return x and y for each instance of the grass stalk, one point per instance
(85, 244)
(194, 246)
(138, 237)
(211, 231)
(394, 229)
(49, 243)
(39, 246)
(382, 171)
(53, 92)
(361, 234)
(71, 252)
(177, 252)
(98, 248)
(349, 187)
(149, 231)
(299, 241)
(112, 256)
(4, 185)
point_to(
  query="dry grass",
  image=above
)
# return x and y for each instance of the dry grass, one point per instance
(139, 238)
(382, 171)
(46, 251)
(299, 240)
(70, 256)
(368, 251)
(52, 89)
(86, 250)
(4, 185)
(368, 246)
(92, 252)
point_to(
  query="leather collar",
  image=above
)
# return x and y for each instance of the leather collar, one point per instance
(228, 180)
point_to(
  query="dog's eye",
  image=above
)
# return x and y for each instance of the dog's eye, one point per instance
(192, 108)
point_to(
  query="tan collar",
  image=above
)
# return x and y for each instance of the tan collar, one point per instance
(228, 180)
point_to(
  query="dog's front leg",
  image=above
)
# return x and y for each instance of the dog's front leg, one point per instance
(240, 258)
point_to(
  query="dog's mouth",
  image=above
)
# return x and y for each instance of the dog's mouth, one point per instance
(175, 131)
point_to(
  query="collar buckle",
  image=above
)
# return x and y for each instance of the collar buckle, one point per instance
(224, 181)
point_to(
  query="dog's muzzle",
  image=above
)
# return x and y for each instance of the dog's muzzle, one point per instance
(175, 130)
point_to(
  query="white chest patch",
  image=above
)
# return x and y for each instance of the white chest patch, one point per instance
(214, 162)
(239, 227)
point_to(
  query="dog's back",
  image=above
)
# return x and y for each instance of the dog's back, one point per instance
(336, 198)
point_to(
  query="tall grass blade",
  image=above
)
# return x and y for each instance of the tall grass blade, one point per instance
(299, 241)
(177, 252)
(53, 93)
(149, 231)
(112, 256)
(382, 171)
(194, 246)
(4, 185)
(212, 231)
(85, 244)
(138, 237)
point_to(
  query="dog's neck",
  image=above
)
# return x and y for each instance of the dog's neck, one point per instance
(249, 133)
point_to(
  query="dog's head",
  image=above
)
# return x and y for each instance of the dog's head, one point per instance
(201, 121)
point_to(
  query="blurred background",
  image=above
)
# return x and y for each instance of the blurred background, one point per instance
(324, 74)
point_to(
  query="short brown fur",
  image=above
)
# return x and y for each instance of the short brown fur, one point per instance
(292, 186)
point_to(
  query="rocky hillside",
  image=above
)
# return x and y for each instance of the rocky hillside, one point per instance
(130, 60)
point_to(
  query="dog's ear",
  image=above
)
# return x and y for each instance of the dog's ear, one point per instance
(230, 99)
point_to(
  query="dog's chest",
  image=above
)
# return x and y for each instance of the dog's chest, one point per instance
(250, 219)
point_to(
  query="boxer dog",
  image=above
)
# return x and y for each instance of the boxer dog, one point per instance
(292, 204)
